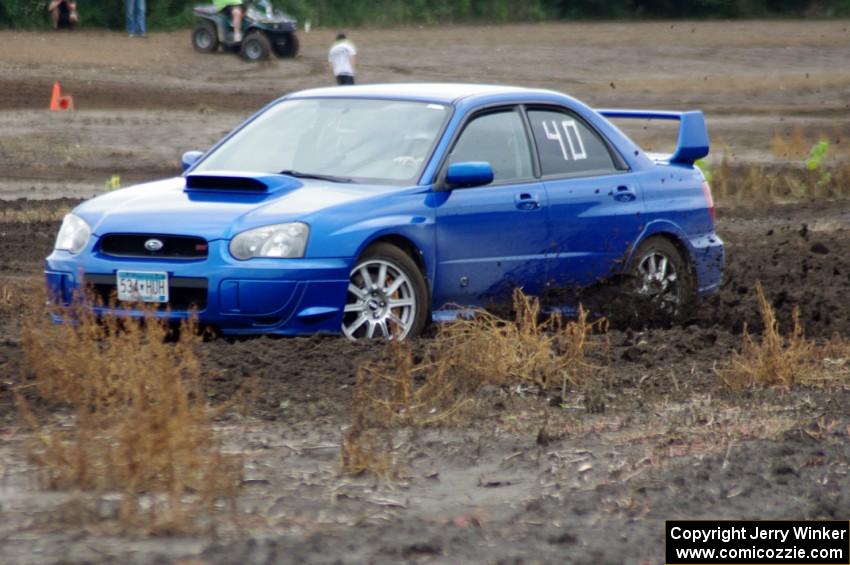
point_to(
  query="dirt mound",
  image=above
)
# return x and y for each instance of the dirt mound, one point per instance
(799, 257)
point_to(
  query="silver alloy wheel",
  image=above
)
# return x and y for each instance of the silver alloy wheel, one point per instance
(658, 280)
(380, 302)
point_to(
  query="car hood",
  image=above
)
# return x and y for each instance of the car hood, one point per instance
(168, 207)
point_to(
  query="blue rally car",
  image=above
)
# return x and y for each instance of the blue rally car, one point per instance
(369, 210)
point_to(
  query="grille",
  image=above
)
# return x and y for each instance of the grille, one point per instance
(184, 293)
(173, 246)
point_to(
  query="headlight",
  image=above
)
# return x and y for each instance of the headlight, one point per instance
(280, 240)
(73, 235)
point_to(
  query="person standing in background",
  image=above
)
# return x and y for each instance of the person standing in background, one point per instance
(135, 18)
(343, 58)
(63, 14)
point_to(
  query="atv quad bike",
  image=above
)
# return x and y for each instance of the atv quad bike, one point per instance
(263, 31)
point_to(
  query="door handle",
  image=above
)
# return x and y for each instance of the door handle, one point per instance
(624, 194)
(527, 201)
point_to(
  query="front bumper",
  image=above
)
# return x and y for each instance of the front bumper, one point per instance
(277, 296)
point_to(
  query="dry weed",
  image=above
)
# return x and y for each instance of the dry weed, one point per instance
(392, 393)
(573, 344)
(790, 146)
(488, 349)
(721, 181)
(368, 451)
(399, 391)
(34, 213)
(785, 361)
(779, 184)
(438, 385)
(20, 298)
(141, 427)
(7, 298)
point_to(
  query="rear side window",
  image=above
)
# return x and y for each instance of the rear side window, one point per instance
(498, 138)
(567, 146)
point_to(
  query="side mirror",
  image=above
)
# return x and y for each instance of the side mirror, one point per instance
(190, 158)
(469, 174)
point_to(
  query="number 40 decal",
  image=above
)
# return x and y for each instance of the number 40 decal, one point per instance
(555, 135)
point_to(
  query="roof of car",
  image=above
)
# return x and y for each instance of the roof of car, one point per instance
(445, 93)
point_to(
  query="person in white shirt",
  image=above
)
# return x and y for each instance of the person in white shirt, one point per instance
(343, 57)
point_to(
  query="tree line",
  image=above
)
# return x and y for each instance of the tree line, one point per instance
(169, 14)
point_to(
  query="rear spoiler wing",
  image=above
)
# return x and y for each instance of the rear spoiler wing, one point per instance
(693, 135)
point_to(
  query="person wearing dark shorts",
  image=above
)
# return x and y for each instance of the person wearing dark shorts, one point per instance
(234, 10)
(342, 58)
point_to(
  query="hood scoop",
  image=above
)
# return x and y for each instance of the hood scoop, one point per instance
(242, 182)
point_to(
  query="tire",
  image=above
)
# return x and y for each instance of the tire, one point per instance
(396, 307)
(662, 280)
(205, 37)
(290, 49)
(255, 47)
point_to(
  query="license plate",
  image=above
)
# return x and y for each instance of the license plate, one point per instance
(140, 286)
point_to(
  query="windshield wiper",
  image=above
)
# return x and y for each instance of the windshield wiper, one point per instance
(300, 175)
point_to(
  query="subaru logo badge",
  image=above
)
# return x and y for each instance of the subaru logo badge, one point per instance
(153, 245)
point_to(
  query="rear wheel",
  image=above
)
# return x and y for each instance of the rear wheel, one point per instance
(663, 280)
(387, 296)
(255, 47)
(205, 37)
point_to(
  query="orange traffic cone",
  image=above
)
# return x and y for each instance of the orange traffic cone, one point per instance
(59, 102)
(57, 94)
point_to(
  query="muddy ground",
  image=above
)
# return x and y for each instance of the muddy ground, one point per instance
(671, 441)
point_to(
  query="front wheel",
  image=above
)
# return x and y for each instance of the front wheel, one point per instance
(288, 49)
(387, 296)
(662, 278)
(255, 47)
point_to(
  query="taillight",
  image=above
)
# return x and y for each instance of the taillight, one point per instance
(709, 199)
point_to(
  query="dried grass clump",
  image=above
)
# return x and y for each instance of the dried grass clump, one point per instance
(488, 349)
(33, 213)
(368, 451)
(788, 182)
(790, 146)
(785, 360)
(17, 300)
(141, 427)
(409, 389)
(395, 392)
(7, 298)
(721, 180)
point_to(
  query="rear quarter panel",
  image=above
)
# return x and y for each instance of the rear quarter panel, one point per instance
(676, 206)
(673, 197)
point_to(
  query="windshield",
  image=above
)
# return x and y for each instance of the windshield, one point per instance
(352, 140)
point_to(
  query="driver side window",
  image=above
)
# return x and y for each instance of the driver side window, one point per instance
(498, 138)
